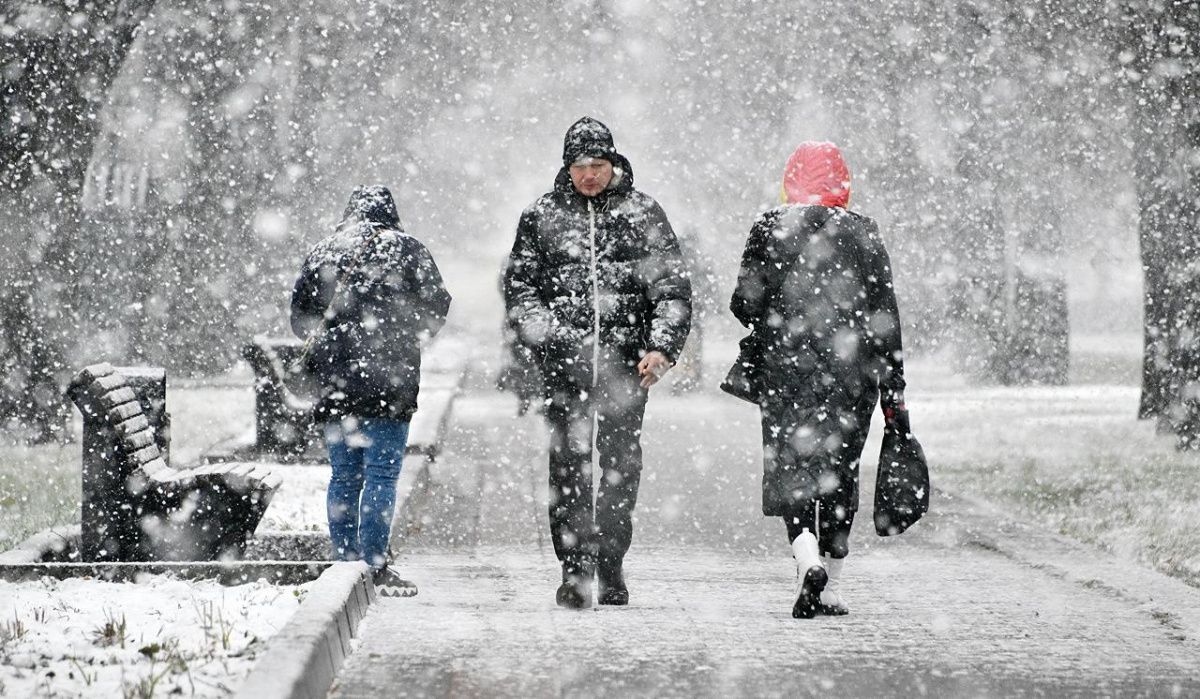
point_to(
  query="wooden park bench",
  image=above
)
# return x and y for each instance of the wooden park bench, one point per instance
(284, 430)
(136, 507)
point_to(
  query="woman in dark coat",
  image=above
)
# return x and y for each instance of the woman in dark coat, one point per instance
(815, 288)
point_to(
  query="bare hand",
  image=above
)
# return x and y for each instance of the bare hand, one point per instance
(652, 367)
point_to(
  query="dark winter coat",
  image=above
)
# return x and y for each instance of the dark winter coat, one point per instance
(644, 295)
(368, 357)
(816, 283)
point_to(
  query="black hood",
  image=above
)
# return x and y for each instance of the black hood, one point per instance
(372, 204)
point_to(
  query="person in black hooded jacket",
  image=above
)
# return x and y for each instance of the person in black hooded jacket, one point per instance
(366, 298)
(596, 287)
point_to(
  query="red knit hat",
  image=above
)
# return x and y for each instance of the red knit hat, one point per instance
(816, 174)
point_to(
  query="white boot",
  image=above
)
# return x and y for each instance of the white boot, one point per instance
(831, 597)
(810, 575)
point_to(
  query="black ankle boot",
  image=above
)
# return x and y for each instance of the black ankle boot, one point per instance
(612, 585)
(571, 596)
(575, 592)
(808, 596)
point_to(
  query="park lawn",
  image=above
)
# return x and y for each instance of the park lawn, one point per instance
(1072, 459)
(40, 485)
(39, 488)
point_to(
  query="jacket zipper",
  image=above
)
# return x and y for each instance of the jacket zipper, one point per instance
(595, 299)
(595, 360)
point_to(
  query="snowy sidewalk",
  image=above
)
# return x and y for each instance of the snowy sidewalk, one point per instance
(928, 619)
(955, 607)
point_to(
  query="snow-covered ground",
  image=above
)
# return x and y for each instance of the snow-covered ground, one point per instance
(161, 636)
(158, 637)
(1073, 459)
(299, 504)
(39, 488)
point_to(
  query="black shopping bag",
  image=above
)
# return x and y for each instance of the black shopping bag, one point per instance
(902, 485)
(744, 378)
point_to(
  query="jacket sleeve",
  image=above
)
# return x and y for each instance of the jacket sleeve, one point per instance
(310, 297)
(432, 301)
(527, 313)
(883, 323)
(668, 287)
(749, 302)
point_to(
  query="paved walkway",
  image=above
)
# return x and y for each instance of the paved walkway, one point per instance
(960, 606)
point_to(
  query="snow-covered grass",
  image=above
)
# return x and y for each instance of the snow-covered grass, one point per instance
(158, 637)
(1073, 459)
(203, 415)
(300, 503)
(39, 487)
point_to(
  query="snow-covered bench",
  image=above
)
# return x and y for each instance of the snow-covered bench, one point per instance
(136, 507)
(284, 430)
(282, 409)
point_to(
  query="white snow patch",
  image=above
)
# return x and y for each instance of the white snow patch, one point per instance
(300, 502)
(82, 637)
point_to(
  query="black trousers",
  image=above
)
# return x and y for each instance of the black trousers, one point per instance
(611, 414)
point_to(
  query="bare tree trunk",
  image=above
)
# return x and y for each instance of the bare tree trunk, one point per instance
(1165, 41)
(1158, 234)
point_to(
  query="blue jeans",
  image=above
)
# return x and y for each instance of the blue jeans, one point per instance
(366, 455)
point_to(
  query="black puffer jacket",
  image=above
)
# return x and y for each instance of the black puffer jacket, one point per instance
(368, 357)
(644, 295)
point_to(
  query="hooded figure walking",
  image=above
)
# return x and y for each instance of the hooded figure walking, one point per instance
(815, 288)
(366, 298)
(597, 289)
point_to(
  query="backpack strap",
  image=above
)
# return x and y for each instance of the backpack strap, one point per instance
(343, 273)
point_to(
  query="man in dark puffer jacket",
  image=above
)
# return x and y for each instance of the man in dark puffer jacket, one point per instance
(369, 294)
(595, 258)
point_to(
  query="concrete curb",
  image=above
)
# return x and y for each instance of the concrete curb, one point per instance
(54, 553)
(1174, 603)
(302, 660)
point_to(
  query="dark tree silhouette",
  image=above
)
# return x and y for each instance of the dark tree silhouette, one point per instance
(57, 61)
(1162, 57)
